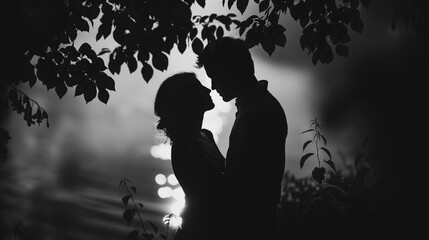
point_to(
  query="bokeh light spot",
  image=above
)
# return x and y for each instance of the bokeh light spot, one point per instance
(160, 179)
(172, 180)
(165, 192)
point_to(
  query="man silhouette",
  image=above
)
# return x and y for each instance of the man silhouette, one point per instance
(255, 160)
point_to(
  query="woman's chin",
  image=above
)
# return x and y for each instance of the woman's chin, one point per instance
(210, 106)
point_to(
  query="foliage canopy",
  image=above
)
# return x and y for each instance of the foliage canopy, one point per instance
(41, 36)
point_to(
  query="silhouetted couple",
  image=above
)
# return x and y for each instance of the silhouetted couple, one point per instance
(236, 197)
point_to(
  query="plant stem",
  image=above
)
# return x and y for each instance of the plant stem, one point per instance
(135, 206)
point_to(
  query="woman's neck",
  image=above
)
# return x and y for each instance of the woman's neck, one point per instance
(192, 129)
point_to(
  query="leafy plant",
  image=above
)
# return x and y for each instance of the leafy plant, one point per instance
(132, 211)
(321, 151)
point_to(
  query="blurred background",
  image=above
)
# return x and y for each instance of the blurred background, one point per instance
(63, 181)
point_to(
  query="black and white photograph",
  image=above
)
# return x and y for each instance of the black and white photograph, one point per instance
(214, 120)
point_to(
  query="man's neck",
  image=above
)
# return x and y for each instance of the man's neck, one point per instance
(248, 87)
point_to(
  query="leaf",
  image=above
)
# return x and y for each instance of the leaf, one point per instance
(109, 82)
(82, 25)
(80, 89)
(219, 32)
(90, 91)
(147, 72)
(126, 199)
(324, 139)
(132, 64)
(160, 61)
(327, 152)
(279, 39)
(85, 48)
(304, 158)
(268, 45)
(304, 40)
(331, 164)
(264, 5)
(133, 235)
(128, 215)
(357, 25)
(103, 96)
(154, 227)
(202, 3)
(197, 46)
(242, 5)
(60, 88)
(306, 144)
(309, 130)
(342, 50)
(193, 33)
(318, 174)
(140, 204)
(303, 21)
(134, 189)
(230, 3)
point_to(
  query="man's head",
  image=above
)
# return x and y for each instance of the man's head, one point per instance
(229, 65)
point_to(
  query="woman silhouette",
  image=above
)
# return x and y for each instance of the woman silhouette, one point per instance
(180, 104)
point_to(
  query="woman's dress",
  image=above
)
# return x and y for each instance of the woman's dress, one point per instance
(197, 165)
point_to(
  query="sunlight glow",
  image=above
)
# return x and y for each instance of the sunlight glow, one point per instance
(174, 221)
(178, 194)
(161, 151)
(179, 201)
(160, 179)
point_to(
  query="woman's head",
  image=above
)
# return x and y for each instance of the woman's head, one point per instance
(180, 104)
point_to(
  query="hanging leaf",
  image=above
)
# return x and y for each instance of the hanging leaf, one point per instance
(126, 199)
(306, 144)
(193, 33)
(219, 32)
(82, 25)
(264, 5)
(230, 3)
(197, 46)
(60, 88)
(318, 174)
(327, 152)
(357, 25)
(331, 164)
(134, 189)
(304, 158)
(342, 50)
(160, 61)
(324, 139)
(79, 90)
(242, 5)
(103, 96)
(90, 91)
(147, 72)
(268, 45)
(129, 215)
(132, 64)
(202, 3)
(309, 130)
